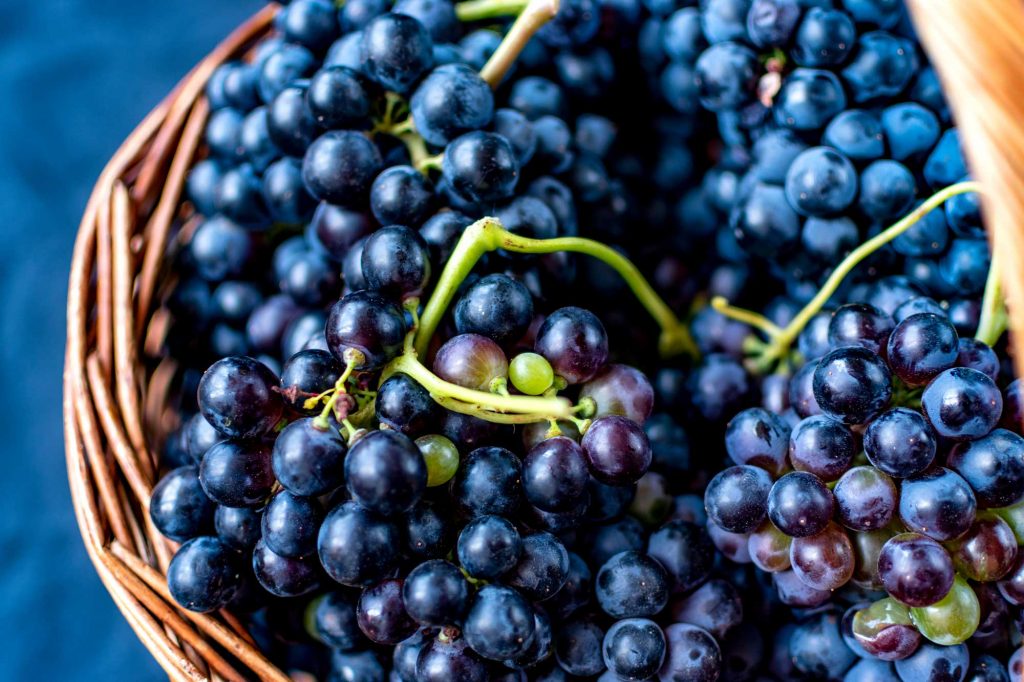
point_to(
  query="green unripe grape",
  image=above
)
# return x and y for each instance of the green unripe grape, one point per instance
(885, 630)
(1015, 517)
(952, 619)
(441, 456)
(531, 373)
(652, 501)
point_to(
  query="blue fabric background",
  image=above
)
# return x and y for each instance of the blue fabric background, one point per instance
(76, 76)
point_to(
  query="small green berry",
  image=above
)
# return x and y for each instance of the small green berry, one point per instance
(441, 456)
(531, 373)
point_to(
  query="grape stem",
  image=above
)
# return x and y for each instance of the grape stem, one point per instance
(353, 358)
(477, 10)
(535, 14)
(993, 307)
(488, 234)
(779, 341)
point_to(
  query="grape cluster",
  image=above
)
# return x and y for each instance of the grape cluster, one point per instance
(418, 441)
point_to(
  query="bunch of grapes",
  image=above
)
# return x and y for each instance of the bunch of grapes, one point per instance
(417, 437)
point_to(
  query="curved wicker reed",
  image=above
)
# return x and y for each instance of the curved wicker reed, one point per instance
(116, 384)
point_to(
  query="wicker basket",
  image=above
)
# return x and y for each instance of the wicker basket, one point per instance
(116, 385)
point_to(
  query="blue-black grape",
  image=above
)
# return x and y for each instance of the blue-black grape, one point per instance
(204, 575)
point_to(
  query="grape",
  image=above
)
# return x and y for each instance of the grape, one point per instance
(938, 503)
(900, 442)
(305, 375)
(385, 472)
(823, 447)
(481, 166)
(801, 389)
(495, 306)
(715, 606)
(951, 620)
(555, 474)
(634, 648)
(852, 385)
(962, 404)
(985, 668)
(236, 397)
(800, 505)
(290, 524)
(396, 50)
(921, 346)
(758, 437)
(337, 98)
(471, 360)
(986, 552)
(631, 585)
(357, 546)
(578, 648)
(284, 576)
(733, 546)
(367, 322)
(737, 498)
(817, 648)
(793, 591)
(574, 341)
(179, 508)
(885, 630)
(769, 548)
(617, 450)
(448, 657)
(351, 665)
(238, 527)
(692, 654)
(429, 531)
(334, 618)
(576, 591)
(860, 324)
(307, 460)
(441, 457)
(867, 545)
(684, 550)
(203, 575)
(976, 354)
(435, 593)
(824, 561)
(824, 37)
(405, 406)
(310, 23)
(866, 498)
(381, 613)
(530, 373)
(543, 566)
(915, 569)
(488, 482)
(500, 623)
(338, 166)
(620, 390)
(395, 259)
(237, 474)
(993, 466)
(1012, 585)
(870, 670)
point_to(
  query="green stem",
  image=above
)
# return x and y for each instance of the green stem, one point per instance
(779, 344)
(537, 408)
(487, 234)
(748, 317)
(535, 14)
(993, 308)
(477, 10)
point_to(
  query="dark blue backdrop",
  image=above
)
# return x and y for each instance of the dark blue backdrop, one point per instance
(75, 78)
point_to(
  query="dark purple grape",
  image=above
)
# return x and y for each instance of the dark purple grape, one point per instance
(933, 662)
(204, 575)
(309, 461)
(489, 546)
(178, 507)
(543, 566)
(555, 474)
(692, 655)
(801, 391)
(852, 385)
(366, 322)
(823, 447)
(962, 404)
(719, 387)
(200, 436)
(339, 166)
(574, 341)
(578, 647)
(500, 624)
(993, 466)
(481, 167)
(634, 648)
(436, 593)
(737, 498)
(237, 396)
(617, 450)
(793, 591)
(381, 613)
(285, 576)
(715, 606)
(385, 472)
(921, 346)
(356, 546)
(976, 354)
(685, 551)
(495, 306)
(237, 474)
(448, 657)
(769, 548)
(860, 324)
(631, 585)
(290, 524)
(866, 499)
(900, 442)
(758, 437)
(334, 616)
(575, 593)
(817, 648)
(986, 552)
(800, 505)
(405, 406)
(620, 390)
(238, 527)
(938, 503)
(396, 262)
(429, 531)
(915, 569)
(471, 360)
(395, 51)
(1013, 410)
(824, 561)
(489, 481)
(306, 375)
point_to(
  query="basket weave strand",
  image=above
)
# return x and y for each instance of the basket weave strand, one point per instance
(116, 385)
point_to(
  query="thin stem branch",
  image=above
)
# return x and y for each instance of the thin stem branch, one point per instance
(993, 308)
(477, 10)
(532, 17)
(748, 317)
